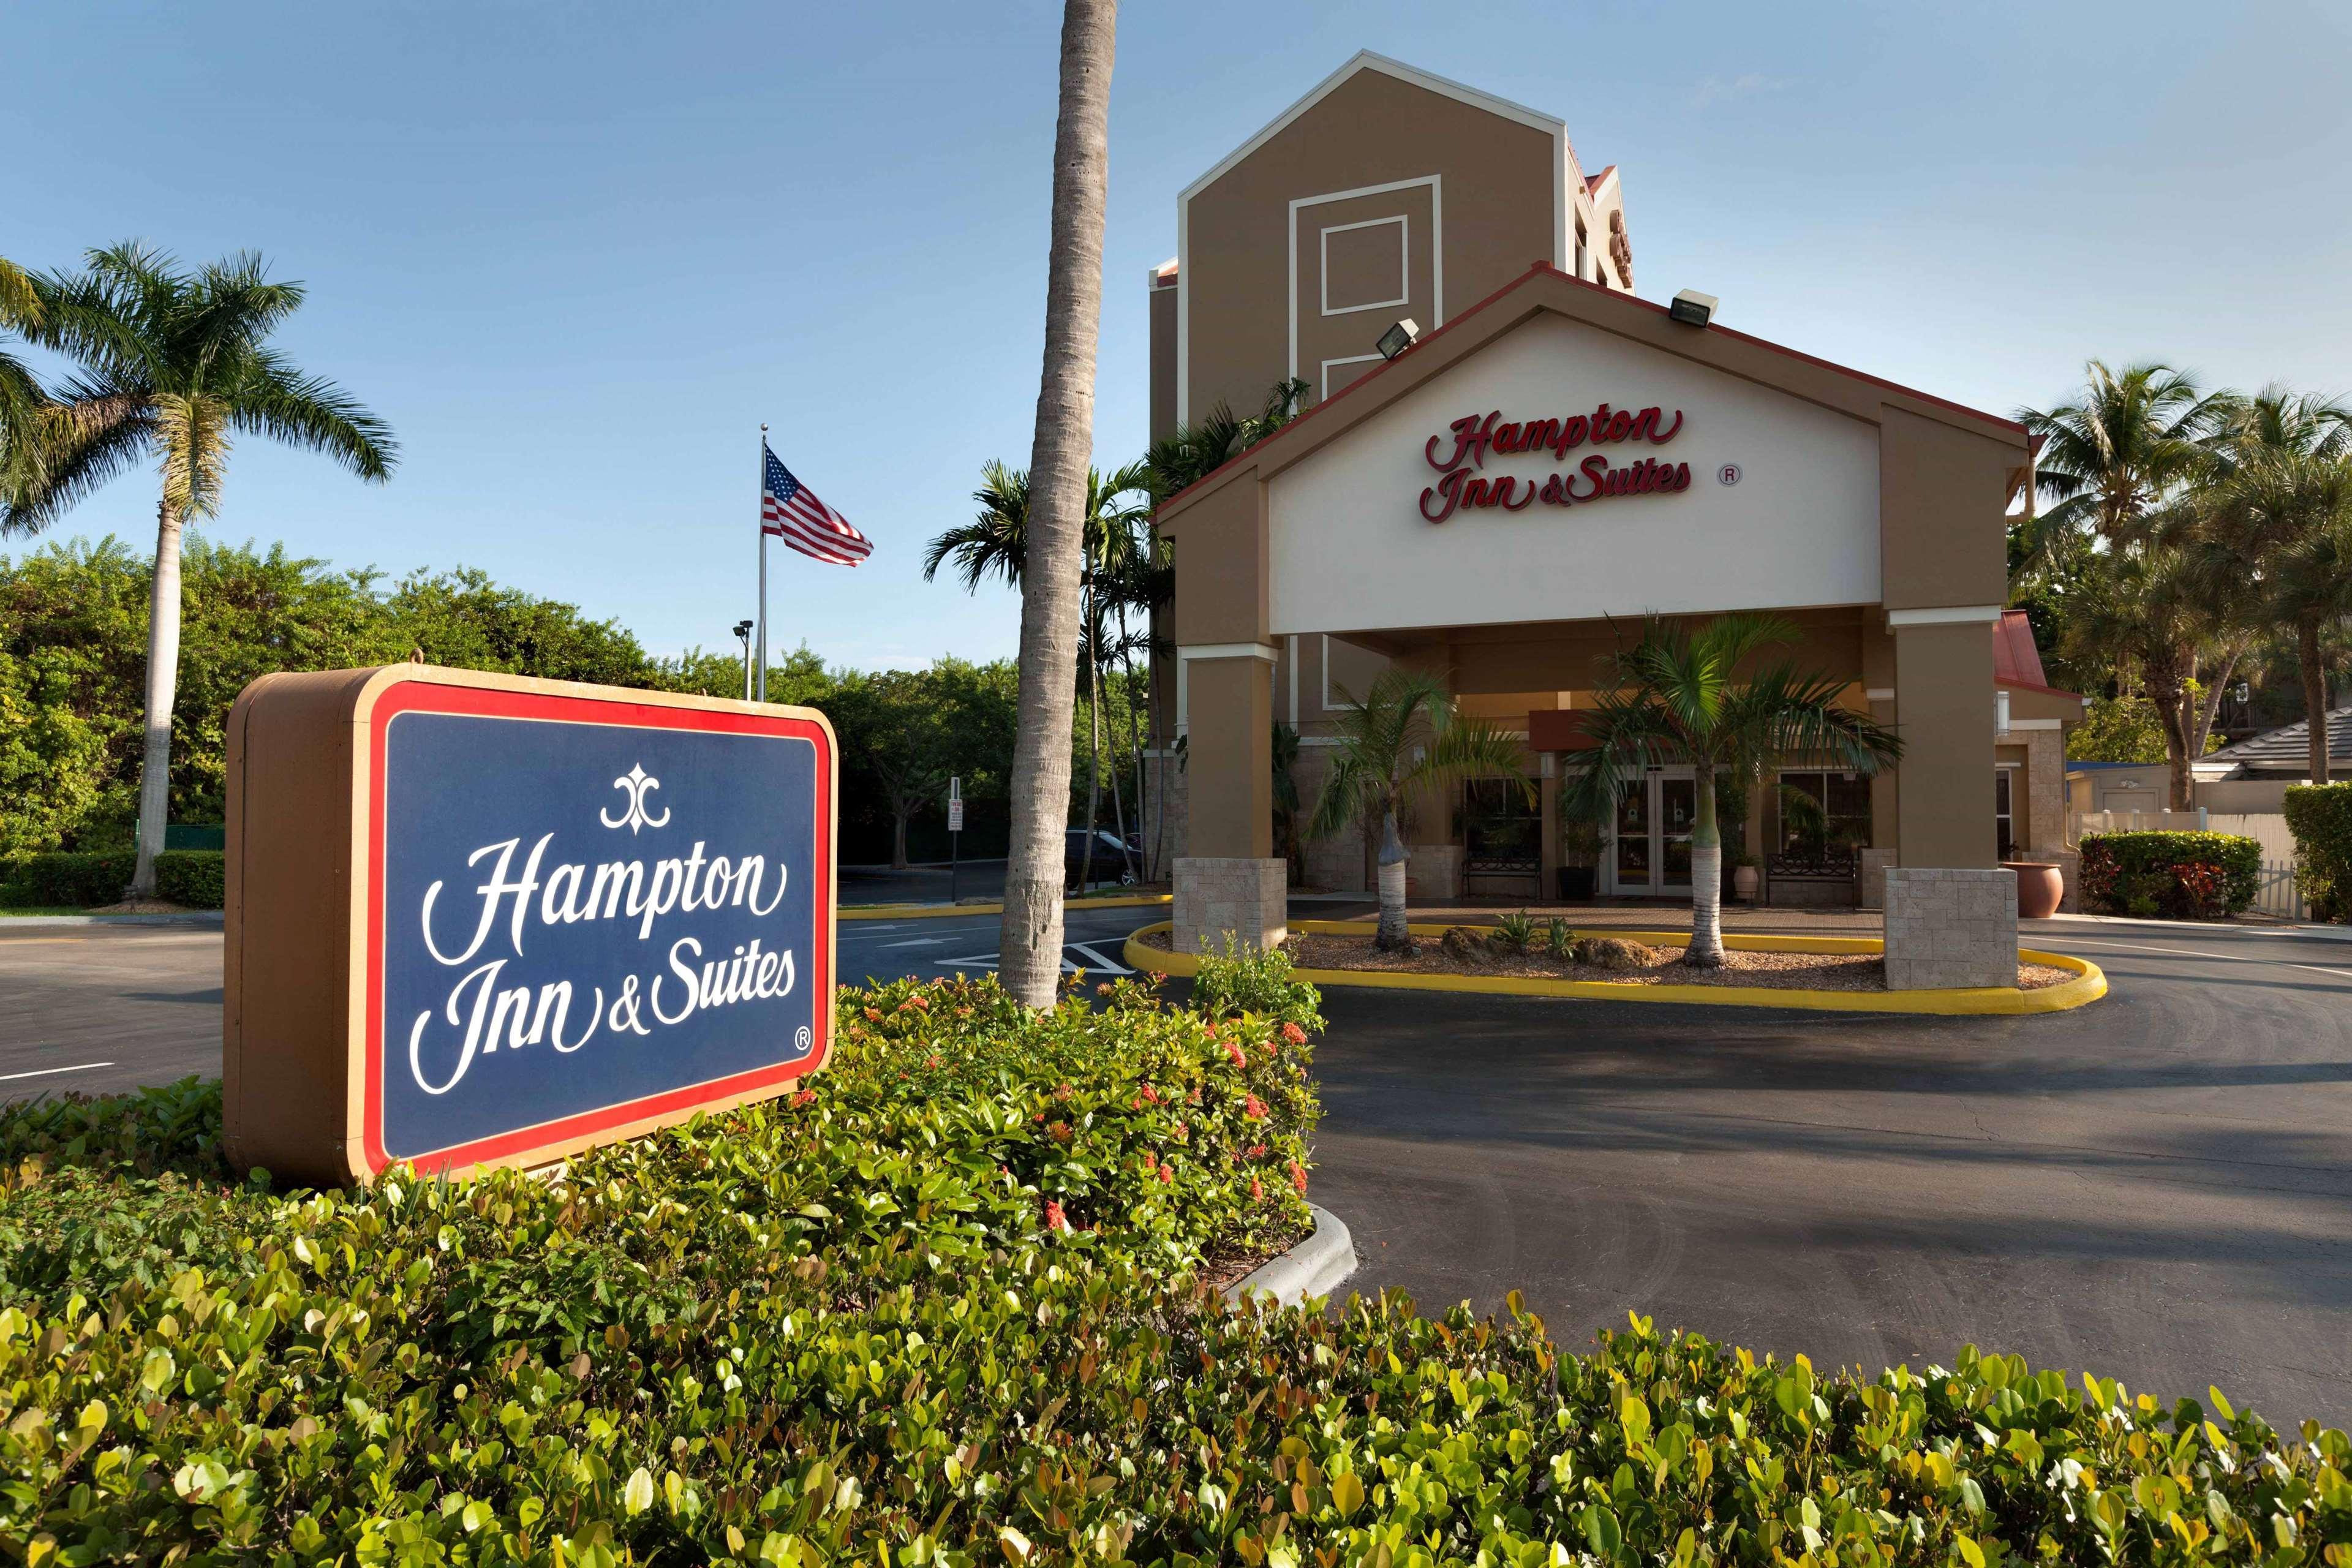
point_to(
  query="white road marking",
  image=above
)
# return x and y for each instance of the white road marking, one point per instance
(2194, 953)
(1100, 961)
(917, 941)
(44, 1072)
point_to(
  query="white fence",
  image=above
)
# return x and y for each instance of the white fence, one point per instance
(2274, 893)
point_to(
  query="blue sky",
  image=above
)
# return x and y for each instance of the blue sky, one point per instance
(577, 254)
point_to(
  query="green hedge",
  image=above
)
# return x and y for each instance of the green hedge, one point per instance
(75, 879)
(846, 1329)
(189, 877)
(2320, 816)
(2174, 876)
(193, 878)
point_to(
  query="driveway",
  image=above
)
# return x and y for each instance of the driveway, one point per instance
(2157, 1187)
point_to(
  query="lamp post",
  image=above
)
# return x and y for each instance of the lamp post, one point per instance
(744, 636)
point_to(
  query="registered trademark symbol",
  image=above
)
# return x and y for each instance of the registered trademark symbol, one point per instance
(800, 1037)
(1729, 473)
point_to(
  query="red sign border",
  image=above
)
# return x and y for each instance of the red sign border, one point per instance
(426, 695)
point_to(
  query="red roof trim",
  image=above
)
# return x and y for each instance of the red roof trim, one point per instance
(1542, 269)
(2029, 686)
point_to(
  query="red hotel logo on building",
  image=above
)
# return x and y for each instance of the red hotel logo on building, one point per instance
(1475, 436)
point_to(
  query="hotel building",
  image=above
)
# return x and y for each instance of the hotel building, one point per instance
(1502, 502)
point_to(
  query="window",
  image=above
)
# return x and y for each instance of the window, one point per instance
(1824, 822)
(2002, 821)
(1501, 833)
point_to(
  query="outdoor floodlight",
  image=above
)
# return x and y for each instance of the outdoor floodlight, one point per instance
(742, 629)
(1398, 338)
(1692, 309)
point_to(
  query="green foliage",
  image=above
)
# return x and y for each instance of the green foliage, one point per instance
(2174, 876)
(1516, 933)
(1245, 982)
(194, 877)
(1558, 939)
(2117, 730)
(846, 1329)
(2320, 816)
(904, 732)
(81, 880)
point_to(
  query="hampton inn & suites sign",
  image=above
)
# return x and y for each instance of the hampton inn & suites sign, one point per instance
(1459, 454)
(476, 918)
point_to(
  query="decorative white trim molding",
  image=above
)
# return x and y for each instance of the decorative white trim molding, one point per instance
(1227, 650)
(1290, 656)
(1436, 252)
(1948, 615)
(1403, 222)
(2036, 723)
(1325, 387)
(1563, 165)
(1878, 694)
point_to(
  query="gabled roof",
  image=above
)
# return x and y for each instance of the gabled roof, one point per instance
(1365, 60)
(2288, 747)
(1544, 286)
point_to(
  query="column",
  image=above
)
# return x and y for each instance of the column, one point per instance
(1951, 912)
(1229, 881)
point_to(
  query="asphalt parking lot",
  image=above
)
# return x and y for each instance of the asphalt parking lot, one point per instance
(2157, 1187)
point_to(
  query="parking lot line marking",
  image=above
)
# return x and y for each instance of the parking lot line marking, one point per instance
(917, 941)
(44, 1072)
(2193, 952)
(1100, 961)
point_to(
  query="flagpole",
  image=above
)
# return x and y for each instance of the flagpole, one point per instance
(764, 564)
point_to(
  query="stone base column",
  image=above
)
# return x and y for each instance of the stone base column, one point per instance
(1948, 927)
(2070, 871)
(1247, 897)
(1871, 894)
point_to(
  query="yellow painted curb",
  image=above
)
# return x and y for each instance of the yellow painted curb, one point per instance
(2090, 982)
(942, 912)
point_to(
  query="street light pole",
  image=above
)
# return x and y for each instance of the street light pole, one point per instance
(744, 636)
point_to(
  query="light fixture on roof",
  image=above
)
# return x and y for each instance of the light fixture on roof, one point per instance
(1694, 309)
(1398, 338)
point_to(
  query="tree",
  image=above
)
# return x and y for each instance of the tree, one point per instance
(2128, 443)
(2280, 516)
(173, 365)
(1403, 737)
(1030, 942)
(1677, 697)
(996, 543)
(907, 732)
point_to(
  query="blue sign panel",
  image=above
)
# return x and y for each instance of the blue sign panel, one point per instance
(587, 915)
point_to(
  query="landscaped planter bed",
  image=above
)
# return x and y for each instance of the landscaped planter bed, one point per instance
(1799, 970)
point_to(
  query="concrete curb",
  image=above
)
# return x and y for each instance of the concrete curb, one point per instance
(1316, 1267)
(2090, 981)
(192, 917)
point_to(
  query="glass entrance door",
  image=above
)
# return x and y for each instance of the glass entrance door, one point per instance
(1651, 853)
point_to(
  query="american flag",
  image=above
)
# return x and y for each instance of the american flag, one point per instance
(791, 511)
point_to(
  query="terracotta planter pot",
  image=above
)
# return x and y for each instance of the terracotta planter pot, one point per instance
(2039, 889)
(1744, 881)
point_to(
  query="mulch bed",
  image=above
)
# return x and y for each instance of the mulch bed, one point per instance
(1798, 971)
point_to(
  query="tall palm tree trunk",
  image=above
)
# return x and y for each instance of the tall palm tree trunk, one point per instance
(1136, 702)
(2314, 696)
(1706, 950)
(1030, 940)
(163, 689)
(1393, 934)
(1094, 765)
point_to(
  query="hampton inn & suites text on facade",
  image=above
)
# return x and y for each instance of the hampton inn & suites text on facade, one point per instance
(1502, 502)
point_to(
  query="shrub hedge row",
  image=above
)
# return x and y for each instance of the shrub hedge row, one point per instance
(852, 1328)
(194, 877)
(2177, 876)
(2320, 816)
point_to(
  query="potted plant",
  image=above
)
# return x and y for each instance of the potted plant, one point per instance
(2040, 888)
(1747, 876)
(1580, 848)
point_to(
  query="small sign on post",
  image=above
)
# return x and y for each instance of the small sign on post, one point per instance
(481, 919)
(955, 833)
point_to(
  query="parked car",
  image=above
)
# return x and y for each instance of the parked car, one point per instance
(1113, 861)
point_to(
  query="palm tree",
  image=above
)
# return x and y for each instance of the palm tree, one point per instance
(1677, 697)
(1403, 737)
(1193, 452)
(2281, 513)
(2133, 437)
(996, 543)
(173, 364)
(1030, 941)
